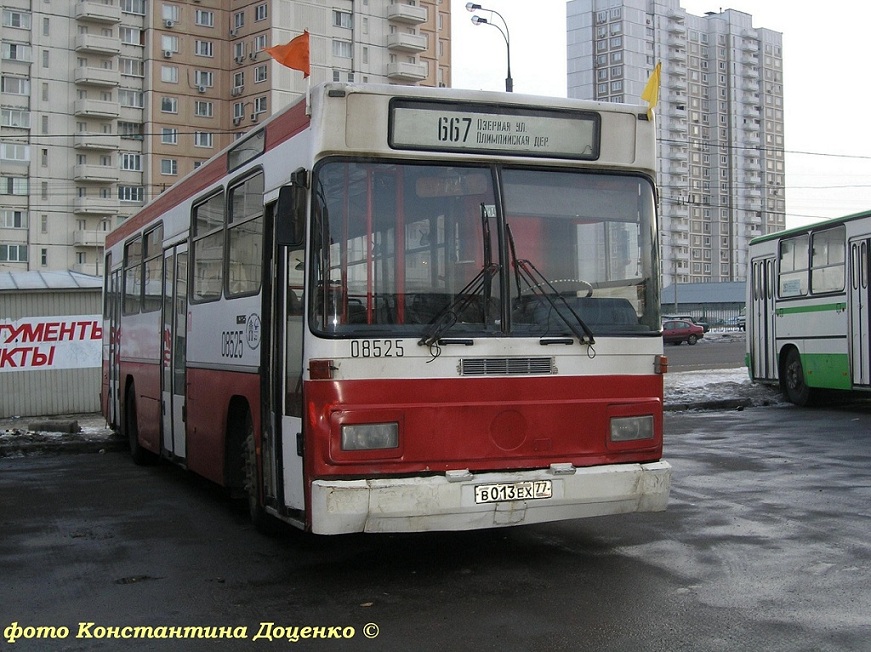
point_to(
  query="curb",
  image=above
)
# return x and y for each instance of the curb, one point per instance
(720, 404)
(24, 448)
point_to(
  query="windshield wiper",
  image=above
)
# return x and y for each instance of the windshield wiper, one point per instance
(447, 316)
(481, 284)
(536, 282)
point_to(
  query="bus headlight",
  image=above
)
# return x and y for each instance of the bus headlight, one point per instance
(368, 436)
(631, 428)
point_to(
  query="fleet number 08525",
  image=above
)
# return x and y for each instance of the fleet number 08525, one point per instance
(377, 349)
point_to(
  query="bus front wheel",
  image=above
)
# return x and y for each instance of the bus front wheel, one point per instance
(794, 385)
(263, 522)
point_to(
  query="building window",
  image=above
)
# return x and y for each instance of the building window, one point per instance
(204, 109)
(169, 43)
(260, 105)
(13, 253)
(130, 193)
(13, 219)
(204, 18)
(204, 78)
(20, 52)
(131, 67)
(169, 136)
(169, 104)
(130, 35)
(342, 49)
(259, 43)
(13, 18)
(14, 152)
(169, 166)
(169, 74)
(203, 139)
(342, 19)
(130, 98)
(15, 85)
(131, 130)
(14, 186)
(261, 12)
(260, 73)
(170, 12)
(15, 118)
(204, 48)
(131, 162)
(238, 19)
(133, 7)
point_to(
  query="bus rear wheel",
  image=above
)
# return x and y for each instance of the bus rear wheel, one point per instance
(140, 455)
(794, 385)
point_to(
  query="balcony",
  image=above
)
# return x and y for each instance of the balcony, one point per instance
(95, 173)
(406, 72)
(402, 42)
(97, 12)
(677, 129)
(92, 269)
(89, 238)
(408, 14)
(95, 206)
(97, 76)
(85, 140)
(97, 44)
(97, 108)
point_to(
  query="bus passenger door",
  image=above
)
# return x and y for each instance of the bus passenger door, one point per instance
(291, 324)
(113, 312)
(173, 351)
(761, 331)
(860, 324)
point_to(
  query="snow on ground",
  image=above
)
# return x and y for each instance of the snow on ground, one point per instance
(711, 385)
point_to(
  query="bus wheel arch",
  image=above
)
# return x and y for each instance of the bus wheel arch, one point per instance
(792, 377)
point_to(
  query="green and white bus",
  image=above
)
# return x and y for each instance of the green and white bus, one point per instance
(808, 305)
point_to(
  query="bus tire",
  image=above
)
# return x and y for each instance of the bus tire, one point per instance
(794, 386)
(263, 522)
(140, 455)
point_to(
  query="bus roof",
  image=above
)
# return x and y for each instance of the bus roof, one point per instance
(295, 117)
(834, 221)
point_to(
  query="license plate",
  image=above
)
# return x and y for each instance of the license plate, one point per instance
(497, 493)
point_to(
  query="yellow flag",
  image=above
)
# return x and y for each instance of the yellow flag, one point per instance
(651, 91)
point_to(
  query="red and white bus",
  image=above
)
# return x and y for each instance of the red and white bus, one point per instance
(394, 309)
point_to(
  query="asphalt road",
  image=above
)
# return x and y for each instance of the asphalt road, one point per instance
(766, 545)
(714, 351)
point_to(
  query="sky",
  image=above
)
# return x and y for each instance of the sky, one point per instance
(827, 143)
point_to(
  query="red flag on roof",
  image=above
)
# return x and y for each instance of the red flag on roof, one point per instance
(293, 54)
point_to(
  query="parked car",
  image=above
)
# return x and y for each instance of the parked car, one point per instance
(740, 321)
(705, 326)
(675, 331)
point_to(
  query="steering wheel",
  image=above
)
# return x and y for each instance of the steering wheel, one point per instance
(578, 282)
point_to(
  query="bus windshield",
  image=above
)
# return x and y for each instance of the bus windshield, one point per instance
(407, 249)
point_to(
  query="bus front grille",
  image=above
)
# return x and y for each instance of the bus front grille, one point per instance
(506, 366)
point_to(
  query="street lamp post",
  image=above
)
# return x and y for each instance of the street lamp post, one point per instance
(477, 20)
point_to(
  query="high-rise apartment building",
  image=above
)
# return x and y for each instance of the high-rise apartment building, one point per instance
(720, 121)
(106, 103)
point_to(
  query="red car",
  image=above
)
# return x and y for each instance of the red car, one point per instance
(679, 330)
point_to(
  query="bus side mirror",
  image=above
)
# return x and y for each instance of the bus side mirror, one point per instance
(290, 214)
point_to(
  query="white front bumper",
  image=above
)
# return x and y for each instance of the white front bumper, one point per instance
(435, 503)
